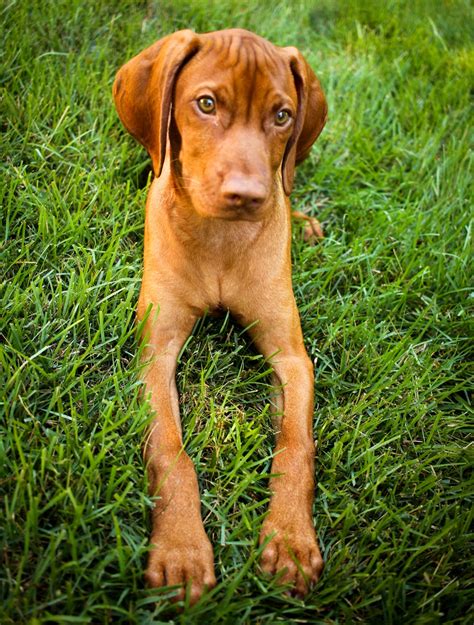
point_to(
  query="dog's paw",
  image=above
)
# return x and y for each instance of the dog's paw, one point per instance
(186, 564)
(292, 554)
(313, 231)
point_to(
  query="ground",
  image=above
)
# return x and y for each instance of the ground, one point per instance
(385, 300)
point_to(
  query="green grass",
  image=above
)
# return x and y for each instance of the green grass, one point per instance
(386, 303)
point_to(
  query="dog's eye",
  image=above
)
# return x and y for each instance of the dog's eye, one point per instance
(206, 104)
(282, 117)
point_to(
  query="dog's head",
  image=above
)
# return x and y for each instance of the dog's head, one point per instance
(234, 109)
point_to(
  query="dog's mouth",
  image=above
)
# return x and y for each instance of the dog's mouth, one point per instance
(237, 212)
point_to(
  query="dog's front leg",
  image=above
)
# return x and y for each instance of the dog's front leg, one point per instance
(180, 551)
(289, 527)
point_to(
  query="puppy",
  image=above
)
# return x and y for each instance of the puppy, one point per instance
(225, 117)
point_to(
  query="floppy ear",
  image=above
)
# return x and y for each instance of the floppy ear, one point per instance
(143, 91)
(311, 116)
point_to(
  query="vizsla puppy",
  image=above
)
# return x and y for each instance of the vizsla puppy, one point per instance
(225, 116)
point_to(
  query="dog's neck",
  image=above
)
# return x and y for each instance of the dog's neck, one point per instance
(171, 208)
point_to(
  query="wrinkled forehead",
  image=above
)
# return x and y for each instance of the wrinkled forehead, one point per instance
(243, 62)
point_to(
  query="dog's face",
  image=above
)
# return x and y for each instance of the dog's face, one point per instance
(234, 110)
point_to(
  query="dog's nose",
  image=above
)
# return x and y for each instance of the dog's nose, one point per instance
(243, 192)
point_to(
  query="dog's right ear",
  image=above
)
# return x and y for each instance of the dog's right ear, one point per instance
(143, 91)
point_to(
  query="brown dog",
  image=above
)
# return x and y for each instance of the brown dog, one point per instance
(225, 116)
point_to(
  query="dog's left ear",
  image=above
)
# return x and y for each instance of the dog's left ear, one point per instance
(310, 117)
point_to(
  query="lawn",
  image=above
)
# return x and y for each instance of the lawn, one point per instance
(386, 302)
